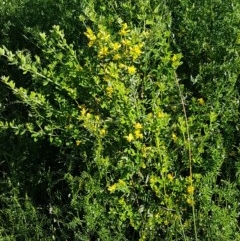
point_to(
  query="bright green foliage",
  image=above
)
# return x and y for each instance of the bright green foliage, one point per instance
(143, 115)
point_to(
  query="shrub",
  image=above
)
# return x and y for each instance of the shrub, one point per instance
(146, 153)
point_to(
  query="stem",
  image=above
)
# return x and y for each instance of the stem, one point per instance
(189, 153)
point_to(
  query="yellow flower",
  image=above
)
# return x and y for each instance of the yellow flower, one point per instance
(166, 222)
(190, 189)
(153, 179)
(138, 126)
(102, 132)
(170, 176)
(121, 183)
(136, 51)
(115, 46)
(103, 35)
(174, 58)
(201, 101)
(103, 51)
(124, 30)
(97, 117)
(143, 165)
(90, 43)
(131, 70)
(122, 65)
(174, 137)
(91, 36)
(190, 201)
(89, 33)
(116, 57)
(78, 142)
(161, 114)
(83, 111)
(130, 137)
(138, 134)
(112, 188)
(88, 115)
(126, 42)
(122, 201)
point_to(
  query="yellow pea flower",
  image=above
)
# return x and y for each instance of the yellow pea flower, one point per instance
(201, 101)
(102, 132)
(115, 46)
(122, 201)
(112, 188)
(124, 30)
(138, 134)
(83, 111)
(103, 35)
(131, 70)
(170, 176)
(122, 183)
(122, 66)
(97, 117)
(136, 51)
(161, 114)
(89, 33)
(153, 179)
(190, 189)
(130, 137)
(116, 57)
(126, 42)
(78, 142)
(190, 201)
(103, 51)
(174, 137)
(91, 36)
(174, 58)
(138, 126)
(143, 165)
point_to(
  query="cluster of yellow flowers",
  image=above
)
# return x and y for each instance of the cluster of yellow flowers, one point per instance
(121, 184)
(91, 122)
(190, 192)
(117, 55)
(137, 134)
(124, 30)
(176, 60)
(125, 47)
(91, 36)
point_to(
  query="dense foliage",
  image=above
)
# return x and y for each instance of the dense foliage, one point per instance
(119, 120)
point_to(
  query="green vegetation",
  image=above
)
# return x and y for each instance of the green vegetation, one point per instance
(119, 120)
